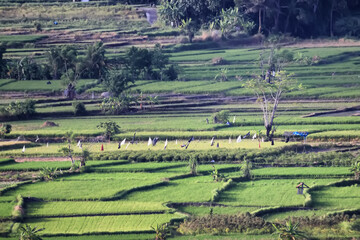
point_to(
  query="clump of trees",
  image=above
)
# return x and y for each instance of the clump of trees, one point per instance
(150, 64)
(332, 17)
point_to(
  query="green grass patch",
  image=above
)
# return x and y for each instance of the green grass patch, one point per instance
(301, 171)
(34, 166)
(63, 189)
(6, 209)
(337, 198)
(139, 236)
(39, 85)
(262, 193)
(299, 213)
(101, 224)
(71, 208)
(194, 189)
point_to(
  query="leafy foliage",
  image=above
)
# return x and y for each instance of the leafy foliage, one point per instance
(19, 110)
(79, 108)
(48, 173)
(117, 81)
(193, 164)
(187, 27)
(30, 233)
(117, 105)
(231, 20)
(5, 129)
(355, 168)
(221, 117)
(85, 155)
(110, 128)
(289, 231)
(161, 231)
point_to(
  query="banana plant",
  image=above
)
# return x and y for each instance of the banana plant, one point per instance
(289, 231)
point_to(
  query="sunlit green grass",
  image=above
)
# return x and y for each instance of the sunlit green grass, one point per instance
(71, 208)
(337, 198)
(103, 224)
(63, 189)
(280, 192)
(301, 171)
(33, 166)
(6, 208)
(194, 189)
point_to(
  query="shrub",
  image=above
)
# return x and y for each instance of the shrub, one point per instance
(79, 108)
(221, 117)
(19, 110)
(224, 224)
(5, 129)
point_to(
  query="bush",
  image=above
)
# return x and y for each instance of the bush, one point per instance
(172, 72)
(79, 108)
(221, 117)
(5, 129)
(19, 110)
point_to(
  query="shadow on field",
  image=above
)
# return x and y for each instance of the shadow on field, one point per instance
(342, 57)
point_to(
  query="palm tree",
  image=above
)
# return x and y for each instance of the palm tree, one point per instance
(29, 233)
(288, 231)
(161, 231)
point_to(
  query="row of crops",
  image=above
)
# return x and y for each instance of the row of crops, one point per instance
(118, 197)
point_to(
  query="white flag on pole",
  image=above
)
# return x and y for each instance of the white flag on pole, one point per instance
(212, 141)
(150, 141)
(166, 143)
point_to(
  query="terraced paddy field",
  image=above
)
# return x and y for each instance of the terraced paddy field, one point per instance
(128, 199)
(127, 191)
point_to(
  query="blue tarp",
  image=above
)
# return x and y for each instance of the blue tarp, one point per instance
(302, 134)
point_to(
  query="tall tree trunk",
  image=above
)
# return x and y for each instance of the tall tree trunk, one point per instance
(260, 22)
(331, 18)
(287, 22)
(277, 16)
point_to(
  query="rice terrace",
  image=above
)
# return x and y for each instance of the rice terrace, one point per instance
(179, 119)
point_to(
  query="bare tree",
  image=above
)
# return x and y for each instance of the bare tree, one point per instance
(269, 88)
